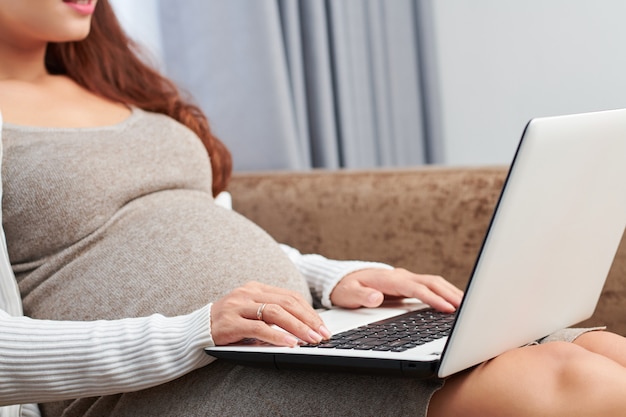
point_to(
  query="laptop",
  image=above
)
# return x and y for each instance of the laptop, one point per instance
(542, 265)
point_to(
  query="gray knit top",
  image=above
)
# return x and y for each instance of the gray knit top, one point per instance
(119, 221)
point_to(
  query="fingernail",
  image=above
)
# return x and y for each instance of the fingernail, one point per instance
(291, 341)
(448, 308)
(316, 337)
(373, 297)
(325, 332)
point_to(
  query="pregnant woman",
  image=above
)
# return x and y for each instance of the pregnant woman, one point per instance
(117, 266)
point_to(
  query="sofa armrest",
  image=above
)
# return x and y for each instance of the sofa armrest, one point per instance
(428, 219)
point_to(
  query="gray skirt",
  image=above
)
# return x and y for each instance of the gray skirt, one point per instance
(224, 389)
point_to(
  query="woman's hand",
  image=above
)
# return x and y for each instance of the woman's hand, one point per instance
(368, 288)
(249, 312)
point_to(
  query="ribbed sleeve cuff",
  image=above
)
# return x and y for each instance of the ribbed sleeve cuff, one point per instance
(323, 274)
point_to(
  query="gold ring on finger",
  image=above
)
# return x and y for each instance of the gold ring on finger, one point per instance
(259, 312)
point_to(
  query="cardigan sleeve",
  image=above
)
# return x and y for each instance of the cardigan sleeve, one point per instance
(43, 360)
(322, 274)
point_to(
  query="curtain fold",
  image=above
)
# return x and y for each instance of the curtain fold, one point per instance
(298, 84)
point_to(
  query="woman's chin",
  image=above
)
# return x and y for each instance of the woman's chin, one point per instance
(74, 34)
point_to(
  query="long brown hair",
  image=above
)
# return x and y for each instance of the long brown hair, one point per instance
(107, 63)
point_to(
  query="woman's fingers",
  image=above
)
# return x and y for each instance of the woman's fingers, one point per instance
(351, 293)
(275, 314)
(365, 287)
(249, 312)
(283, 317)
(284, 305)
(432, 290)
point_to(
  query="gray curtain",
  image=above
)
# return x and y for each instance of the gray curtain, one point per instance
(297, 84)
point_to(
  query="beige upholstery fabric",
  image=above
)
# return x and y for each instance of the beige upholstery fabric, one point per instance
(430, 220)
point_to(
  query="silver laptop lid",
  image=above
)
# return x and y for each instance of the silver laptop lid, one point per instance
(552, 239)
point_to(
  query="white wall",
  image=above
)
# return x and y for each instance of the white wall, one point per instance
(140, 19)
(493, 65)
(501, 62)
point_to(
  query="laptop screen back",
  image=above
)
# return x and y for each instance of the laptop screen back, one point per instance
(552, 239)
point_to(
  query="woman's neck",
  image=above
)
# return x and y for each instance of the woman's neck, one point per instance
(30, 96)
(23, 64)
(57, 101)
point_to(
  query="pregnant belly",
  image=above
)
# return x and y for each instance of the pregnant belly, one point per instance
(169, 252)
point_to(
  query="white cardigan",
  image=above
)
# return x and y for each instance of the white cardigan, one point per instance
(43, 360)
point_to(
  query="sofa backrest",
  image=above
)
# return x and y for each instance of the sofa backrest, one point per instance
(429, 220)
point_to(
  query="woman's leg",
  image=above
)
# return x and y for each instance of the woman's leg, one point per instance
(607, 344)
(585, 378)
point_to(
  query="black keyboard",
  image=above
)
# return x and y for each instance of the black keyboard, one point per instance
(395, 334)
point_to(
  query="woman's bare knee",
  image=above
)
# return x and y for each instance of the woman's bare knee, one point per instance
(607, 344)
(555, 379)
(510, 384)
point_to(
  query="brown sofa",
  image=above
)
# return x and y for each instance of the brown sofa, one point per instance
(429, 220)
